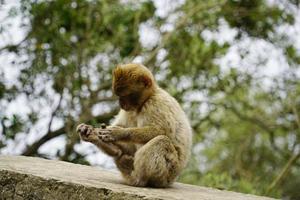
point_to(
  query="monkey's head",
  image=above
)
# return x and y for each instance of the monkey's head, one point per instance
(133, 84)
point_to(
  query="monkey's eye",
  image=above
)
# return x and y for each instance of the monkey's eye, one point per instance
(120, 89)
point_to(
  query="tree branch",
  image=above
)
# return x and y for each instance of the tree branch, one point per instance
(181, 22)
(54, 112)
(283, 172)
(258, 123)
(33, 149)
(13, 47)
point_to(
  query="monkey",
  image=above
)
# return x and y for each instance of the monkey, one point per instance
(151, 137)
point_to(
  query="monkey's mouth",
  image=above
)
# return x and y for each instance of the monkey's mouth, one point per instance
(129, 102)
(124, 103)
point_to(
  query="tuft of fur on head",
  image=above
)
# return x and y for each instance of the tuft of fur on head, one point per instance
(132, 71)
(131, 75)
(134, 84)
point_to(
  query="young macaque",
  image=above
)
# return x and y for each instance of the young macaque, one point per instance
(151, 137)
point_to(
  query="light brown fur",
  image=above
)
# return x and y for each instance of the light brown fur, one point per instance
(151, 137)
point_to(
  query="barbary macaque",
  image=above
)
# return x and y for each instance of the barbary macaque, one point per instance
(150, 139)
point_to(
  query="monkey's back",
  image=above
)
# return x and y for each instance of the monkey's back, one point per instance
(164, 112)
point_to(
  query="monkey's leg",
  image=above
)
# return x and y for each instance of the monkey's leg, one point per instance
(155, 164)
(127, 148)
(125, 164)
(125, 161)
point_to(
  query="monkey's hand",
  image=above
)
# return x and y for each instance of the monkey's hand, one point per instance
(87, 133)
(111, 134)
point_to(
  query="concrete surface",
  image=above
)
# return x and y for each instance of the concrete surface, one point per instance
(35, 178)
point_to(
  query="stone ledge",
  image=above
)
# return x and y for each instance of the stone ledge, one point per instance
(35, 178)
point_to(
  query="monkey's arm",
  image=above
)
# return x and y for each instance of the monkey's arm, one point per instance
(132, 134)
(87, 133)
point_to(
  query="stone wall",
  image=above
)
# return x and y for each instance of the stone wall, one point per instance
(35, 178)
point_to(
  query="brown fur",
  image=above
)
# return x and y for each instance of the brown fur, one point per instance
(150, 138)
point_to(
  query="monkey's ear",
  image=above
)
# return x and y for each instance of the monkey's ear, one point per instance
(146, 80)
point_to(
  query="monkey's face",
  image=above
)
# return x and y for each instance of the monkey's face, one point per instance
(130, 94)
(130, 102)
(131, 86)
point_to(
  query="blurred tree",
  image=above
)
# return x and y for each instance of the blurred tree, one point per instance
(247, 132)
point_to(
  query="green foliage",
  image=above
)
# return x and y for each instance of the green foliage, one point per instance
(11, 126)
(2, 90)
(197, 55)
(254, 17)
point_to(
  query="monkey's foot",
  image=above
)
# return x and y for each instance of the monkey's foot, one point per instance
(87, 133)
(105, 135)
